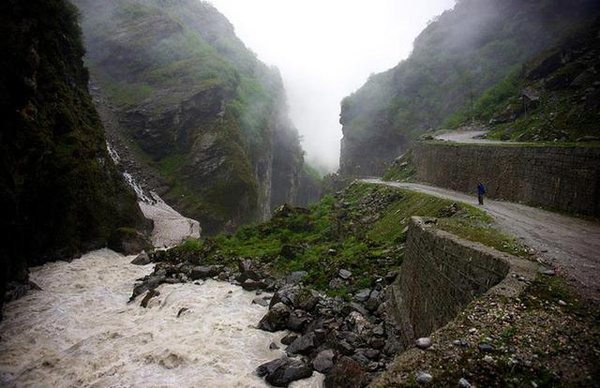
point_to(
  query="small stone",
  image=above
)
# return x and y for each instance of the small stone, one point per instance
(486, 348)
(488, 359)
(548, 272)
(423, 343)
(324, 361)
(562, 302)
(260, 302)
(424, 378)
(472, 330)
(345, 274)
(363, 295)
(460, 342)
(288, 339)
(463, 383)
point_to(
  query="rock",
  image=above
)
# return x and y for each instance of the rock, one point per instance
(488, 359)
(324, 361)
(363, 295)
(276, 318)
(379, 330)
(247, 271)
(358, 322)
(463, 383)
(252, 285)
(260, 301)
(345, 373)
(345, 348)
(149, 295)
(548, 272)
(142, 259)
(377, 342)
(350, 307)
(181, 311)
(424, 378)
(204, 272)
(128, 241)
(461, 343)
(302, 345)
(296, 297)
(295, 277)
(288, 339)
(273, 346)
(298, 320)
(423, 343)
(562, 302)
(486, 348)
(281, 372)
(345, 274)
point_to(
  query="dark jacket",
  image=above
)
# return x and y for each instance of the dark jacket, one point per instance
(480, 189)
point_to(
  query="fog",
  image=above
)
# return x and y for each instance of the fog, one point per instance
(325, 51)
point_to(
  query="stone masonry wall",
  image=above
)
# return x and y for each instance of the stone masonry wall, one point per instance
(440, 275)
(561, 178)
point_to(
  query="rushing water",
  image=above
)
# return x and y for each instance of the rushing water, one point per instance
(80, 331)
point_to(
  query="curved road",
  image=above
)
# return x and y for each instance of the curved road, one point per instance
(570, 245)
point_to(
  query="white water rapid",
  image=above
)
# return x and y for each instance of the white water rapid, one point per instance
(79, 330)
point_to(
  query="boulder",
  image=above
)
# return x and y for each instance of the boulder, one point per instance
(324, 361)
(142, 259)
(302, 345)
(345, 373)
(298, 320)
(204, 272)
(149, 295)
(281, 372)
(288, 339)
(296, 297)
(128, 241)
(295, 277)
(276, 318)
(252, 285)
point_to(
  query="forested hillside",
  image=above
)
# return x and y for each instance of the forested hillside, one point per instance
(196, 107)
(60, 192)
(459, 56)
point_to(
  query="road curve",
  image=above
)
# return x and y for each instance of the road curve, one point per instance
(570, 245)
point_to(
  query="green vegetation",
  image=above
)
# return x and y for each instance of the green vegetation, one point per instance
(362, 229)
(401, 170)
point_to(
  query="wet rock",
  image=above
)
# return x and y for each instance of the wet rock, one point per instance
(247, 271)
(181, 311)
(128, 241)
(149, 295)
(424, 378)
(260, 301)
(288, 339)
(252, 285)
(345, 373)
(276, 318)
(142, 259)
(302, 345)
(204, 272)
(463, 383)
(324, 361)
(150, 282)
(423, 343)
(281, 372)
(345, 274)
(273, 346)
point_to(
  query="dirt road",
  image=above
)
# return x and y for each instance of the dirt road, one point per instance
(570, 245)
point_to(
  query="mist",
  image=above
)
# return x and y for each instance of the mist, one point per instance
(326, 50)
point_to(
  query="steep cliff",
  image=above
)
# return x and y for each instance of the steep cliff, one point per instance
(455, 59)
(195, 107)
(60, 193)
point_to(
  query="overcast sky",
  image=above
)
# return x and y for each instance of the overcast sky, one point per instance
(326, 49)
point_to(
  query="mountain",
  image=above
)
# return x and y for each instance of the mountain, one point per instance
(60, 192)
(460, 55)
(204, 119)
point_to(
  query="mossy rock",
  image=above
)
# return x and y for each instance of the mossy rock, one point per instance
(129, 241)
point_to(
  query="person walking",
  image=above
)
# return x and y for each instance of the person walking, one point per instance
(480, 192)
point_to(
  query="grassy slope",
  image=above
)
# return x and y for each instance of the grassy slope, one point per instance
(362, 230)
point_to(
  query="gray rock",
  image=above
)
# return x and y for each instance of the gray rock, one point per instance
(142, 259)
(324, 361)
(298, 320)
(486, 348)
(281, 372)
(273, 346)
(276, 318)
(363, 295)
(151, 294)
(345, 274)
(252, 285)
(463, 383)
(548, 272)
(295, 277)
(288, 339)
(423, 343)
(302, 345)
(260, 302)
(204, 272)
(424, 378)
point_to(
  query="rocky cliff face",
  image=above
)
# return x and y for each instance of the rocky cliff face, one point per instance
(455, 60)
(196, 109)
(60, 193)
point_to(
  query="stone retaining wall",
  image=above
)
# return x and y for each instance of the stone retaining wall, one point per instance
(442, 273)
(561, 178)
